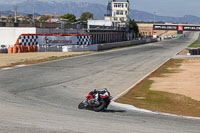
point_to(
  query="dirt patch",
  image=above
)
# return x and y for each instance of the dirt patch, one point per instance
(173, 88)
(184, 52)
(186, 82)
(31, 58)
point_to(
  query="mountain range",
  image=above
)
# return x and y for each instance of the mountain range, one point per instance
(77, 8)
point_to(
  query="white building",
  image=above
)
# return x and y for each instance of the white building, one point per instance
(118, 11)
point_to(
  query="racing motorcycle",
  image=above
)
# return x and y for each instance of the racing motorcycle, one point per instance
(98, 101)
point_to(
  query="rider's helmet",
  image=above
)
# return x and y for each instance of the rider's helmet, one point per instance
(95, 91)
(105, 89)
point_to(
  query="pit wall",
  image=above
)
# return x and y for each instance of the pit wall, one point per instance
(79, 48)
(105, 46)
(124, 44)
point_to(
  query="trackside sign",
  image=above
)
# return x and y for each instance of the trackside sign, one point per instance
(57, 40)
(165, 27)
(176, 27)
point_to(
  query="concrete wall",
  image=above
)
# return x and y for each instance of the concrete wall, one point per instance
(80, 48)
(123, 44)
(9, 35)
(99, 47)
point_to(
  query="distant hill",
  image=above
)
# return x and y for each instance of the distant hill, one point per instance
(98, 10)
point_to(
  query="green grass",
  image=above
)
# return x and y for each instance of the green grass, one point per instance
(178, 35)
(142, 97)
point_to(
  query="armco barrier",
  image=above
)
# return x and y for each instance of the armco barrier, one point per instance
(123, 44)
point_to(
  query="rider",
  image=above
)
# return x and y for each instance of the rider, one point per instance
(93, 96)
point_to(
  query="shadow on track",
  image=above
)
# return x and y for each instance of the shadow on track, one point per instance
(114, 111)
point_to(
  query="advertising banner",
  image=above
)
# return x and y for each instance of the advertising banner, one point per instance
(176, 27)
(191, 28)
(54, 39)
(165, 27)
(57, 40)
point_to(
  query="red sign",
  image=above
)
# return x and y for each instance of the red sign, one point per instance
(180, 28)
(49, 20)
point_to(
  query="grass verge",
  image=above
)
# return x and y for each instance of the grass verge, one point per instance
(142, 97)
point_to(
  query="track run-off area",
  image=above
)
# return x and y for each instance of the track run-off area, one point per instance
(44, 98)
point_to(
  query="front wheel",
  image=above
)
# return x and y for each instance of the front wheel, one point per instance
(100, 107)
(81, 105)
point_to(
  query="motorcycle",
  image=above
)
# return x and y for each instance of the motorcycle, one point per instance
(97, 102)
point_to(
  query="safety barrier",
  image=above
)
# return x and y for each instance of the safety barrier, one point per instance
(124, 44)
(45, 48)
(194, 51)
(3, 50)
(80, 48)
(21, 49)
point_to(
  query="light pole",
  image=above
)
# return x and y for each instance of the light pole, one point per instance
(154, 18)
(33, 11)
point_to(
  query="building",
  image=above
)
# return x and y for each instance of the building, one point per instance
(3, 18)
(99, 24)
(118, 11)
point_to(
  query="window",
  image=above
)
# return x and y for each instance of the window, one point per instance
(119, 12)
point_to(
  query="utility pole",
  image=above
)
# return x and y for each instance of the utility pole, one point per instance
(33, 4)
(15, 7)
(154, 19)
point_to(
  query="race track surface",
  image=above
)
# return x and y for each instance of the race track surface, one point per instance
(43, 98)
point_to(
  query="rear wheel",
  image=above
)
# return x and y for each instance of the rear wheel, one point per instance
(100, 107)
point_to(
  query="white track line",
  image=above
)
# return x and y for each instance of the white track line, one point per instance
(10, 68)
(133, 108)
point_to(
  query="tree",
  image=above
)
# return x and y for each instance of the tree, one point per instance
(133, 27)
(85, 16)
(70, 18)
(11, 19)
(44, 18)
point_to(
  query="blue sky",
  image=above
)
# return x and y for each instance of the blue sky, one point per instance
(176, 8)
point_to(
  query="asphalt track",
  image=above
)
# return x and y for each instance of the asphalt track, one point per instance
(43, 98)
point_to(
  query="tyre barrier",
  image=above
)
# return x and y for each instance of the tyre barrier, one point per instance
(3, 50)
(22, 49)
(195, 51)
